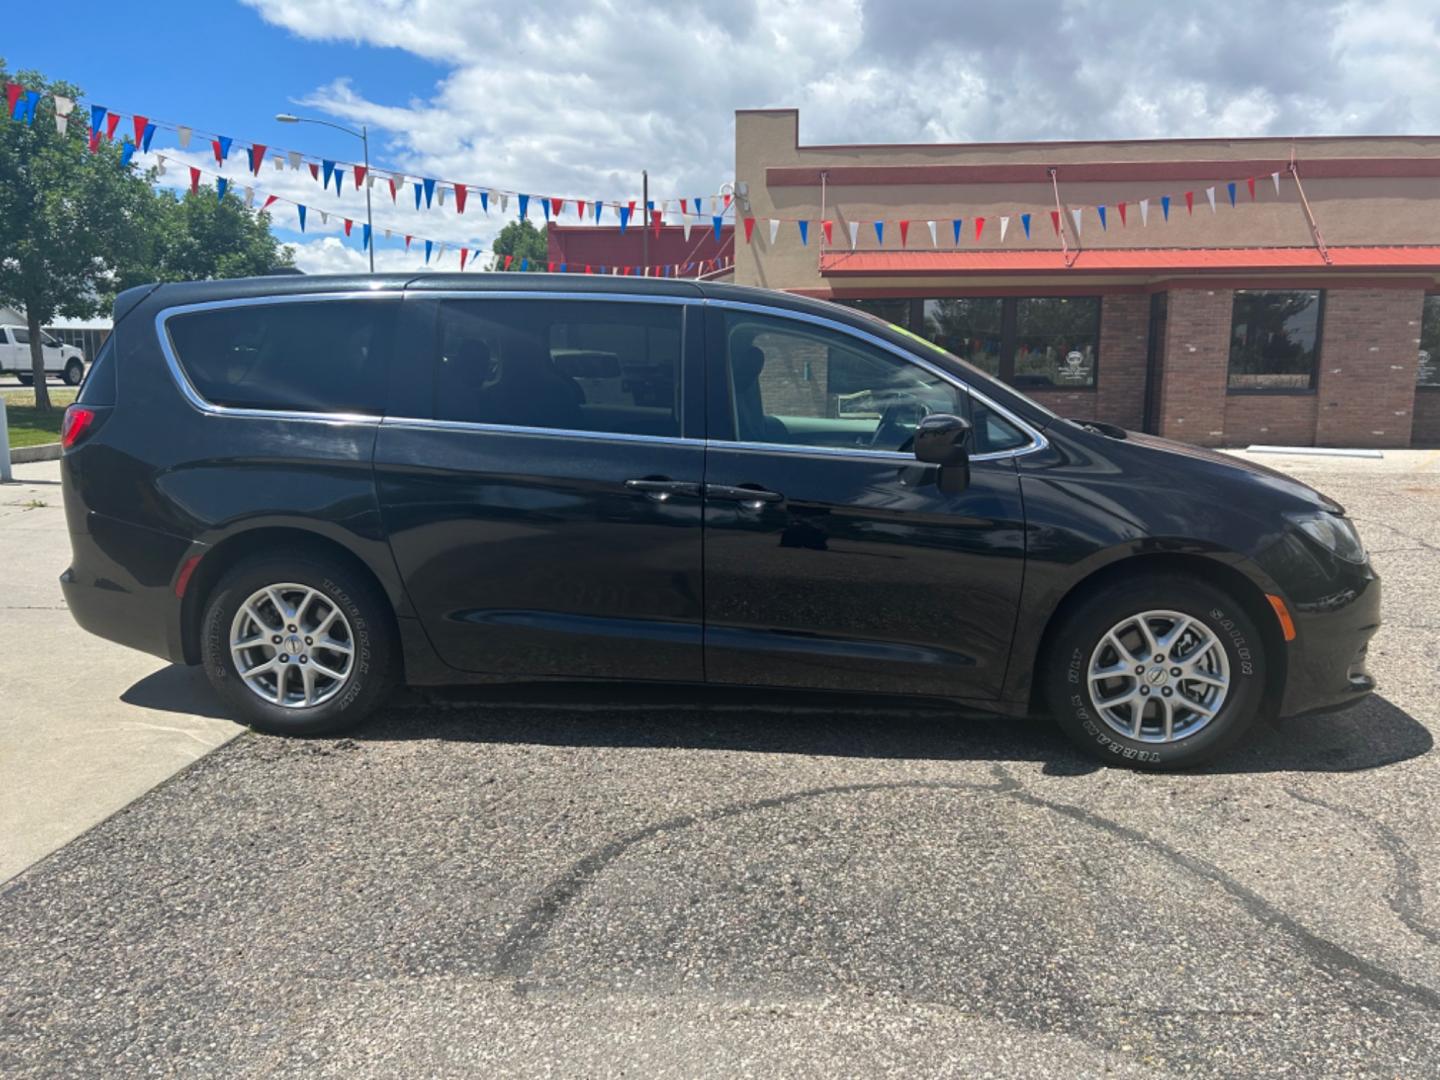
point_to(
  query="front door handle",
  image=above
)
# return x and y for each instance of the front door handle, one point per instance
(751, 498)
(660, 489)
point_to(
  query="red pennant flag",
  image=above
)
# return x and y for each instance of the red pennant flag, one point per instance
(550, 266)
(348, 225)
(727, 202)
(1190, 202)
(460, 193)
(556, 205)
(111, 123)
(360, 171)
(268, 200)
(392, 188)
(1121, 208)
(407, 247)
(979, 227)
(215, 149)
(464, 254)
(1055, 221)
(750, 228)
(658, 218)
(94, 139)
(632, 208)
(580, 208)
(12, 95)
(257, 157)
(587, 268)
(1250, 182)
(507, 261)
(825, 228)
(904, 231)
(314, 171)
(140, 122)
(194, 179)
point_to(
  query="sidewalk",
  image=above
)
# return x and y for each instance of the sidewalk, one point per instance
(85, 725)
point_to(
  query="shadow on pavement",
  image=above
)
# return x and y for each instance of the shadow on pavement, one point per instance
(177, 689)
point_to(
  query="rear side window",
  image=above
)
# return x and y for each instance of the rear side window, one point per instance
(99, 385)
(577, 365)
(322, 356)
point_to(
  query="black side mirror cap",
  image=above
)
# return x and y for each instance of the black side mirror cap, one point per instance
(942, 439)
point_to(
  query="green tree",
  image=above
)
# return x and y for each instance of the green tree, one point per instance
(67, 216)
(522, 240)
(199, 236)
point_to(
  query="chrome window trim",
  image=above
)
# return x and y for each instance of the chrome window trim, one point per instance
(204, 404)
(542, 294)
(520, 429)
(1038, 441)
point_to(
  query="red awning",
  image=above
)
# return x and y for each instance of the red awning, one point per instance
(1127, 260)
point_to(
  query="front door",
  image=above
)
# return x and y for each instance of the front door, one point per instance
(545, 508)
(832, 558)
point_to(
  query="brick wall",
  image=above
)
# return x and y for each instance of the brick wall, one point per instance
(1426, 430)
(1276, 419)
(1197, 356)
(1368, 352)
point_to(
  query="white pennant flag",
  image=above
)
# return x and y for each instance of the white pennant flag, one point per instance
(295, 161)
(160, 164)
(1210, 194)
(183, 134)
(1276, 177)
(774, 230)
(63, 106)
(1004, 228)
(495, 198)
(854, 228)
(249, 197)
(387, 234)
(439, 254)
(1075, 214)
(504, 203)
(324, 218)
(714, 205)
(686, 224)
(440, 191)
(1144, 212)
(934, 236)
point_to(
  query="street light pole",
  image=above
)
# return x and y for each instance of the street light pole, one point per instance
(364, 136)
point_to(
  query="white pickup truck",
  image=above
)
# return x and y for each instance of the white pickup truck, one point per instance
(65, 361)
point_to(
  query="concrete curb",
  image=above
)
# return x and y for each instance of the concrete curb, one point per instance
(23, 455)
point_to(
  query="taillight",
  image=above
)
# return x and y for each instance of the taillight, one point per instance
(77, 421)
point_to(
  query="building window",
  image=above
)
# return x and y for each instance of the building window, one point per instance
(1056, 341)
(973, 328)
(1427, 373)
(1274, 340)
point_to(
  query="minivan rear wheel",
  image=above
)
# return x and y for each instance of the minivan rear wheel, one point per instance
(298, 645)
(1159, 673)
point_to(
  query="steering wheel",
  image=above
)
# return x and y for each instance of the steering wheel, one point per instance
(892, 427)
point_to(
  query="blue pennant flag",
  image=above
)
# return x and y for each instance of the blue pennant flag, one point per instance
(127, 152)
(339, 178)
(880, 233)
(1101, 211)
(429, 192)
(545, 206)
(957, 225)
(650, 204)
(220, 185)
(145, 139)
(524, 264)
(32, 98)
(417, 196)
(1230, 187)
(301, 211)
(485, 201)
(1025, 220)
(224, 141)
(805, 233)
(624, 218)
(563, 267)
(428, 245)
(697, 204)
(97, 117)
(599, 206)
(364, 237)
(716, 221)
(1165, 206)
(524, 206)
(329, 167)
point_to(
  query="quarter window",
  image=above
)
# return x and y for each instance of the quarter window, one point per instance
(1427, 372)
(322, 356)
(574, 365)
(1274, 339)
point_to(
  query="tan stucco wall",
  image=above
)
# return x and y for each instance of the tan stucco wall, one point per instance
(1378, 211)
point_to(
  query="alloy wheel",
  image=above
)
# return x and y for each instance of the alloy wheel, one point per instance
(292, 645)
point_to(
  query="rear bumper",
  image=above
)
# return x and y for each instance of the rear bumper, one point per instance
(1327, 659)
(121, 584)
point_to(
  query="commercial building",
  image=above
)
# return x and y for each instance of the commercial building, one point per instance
(674, 249)
(1219, 291)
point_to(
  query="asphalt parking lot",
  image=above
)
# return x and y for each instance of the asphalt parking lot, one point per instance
(569, 883)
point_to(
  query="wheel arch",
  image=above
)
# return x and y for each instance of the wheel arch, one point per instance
(1212, 571)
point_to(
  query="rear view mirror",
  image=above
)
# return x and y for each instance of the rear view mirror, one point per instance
(944, 440)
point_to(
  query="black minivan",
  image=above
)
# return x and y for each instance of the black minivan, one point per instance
(318, 487)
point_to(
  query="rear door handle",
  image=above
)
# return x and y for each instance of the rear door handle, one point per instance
(662, 490)
(751, 498)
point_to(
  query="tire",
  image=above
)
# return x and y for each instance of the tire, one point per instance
(74, 372)
(27, 379)
(1233, 651)
(363, 622)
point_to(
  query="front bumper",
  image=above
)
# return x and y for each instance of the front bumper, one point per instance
(1327, 668)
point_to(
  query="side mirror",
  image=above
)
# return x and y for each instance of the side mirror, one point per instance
(944, 440)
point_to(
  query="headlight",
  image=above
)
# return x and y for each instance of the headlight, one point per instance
(1332, 532)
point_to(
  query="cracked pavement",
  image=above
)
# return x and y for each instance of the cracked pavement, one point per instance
(581, 882)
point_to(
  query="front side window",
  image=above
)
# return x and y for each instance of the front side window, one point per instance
(575, 365)
(1427, 373)
(321, 356)
(1274, 339)
(795, 384)
(20, 336)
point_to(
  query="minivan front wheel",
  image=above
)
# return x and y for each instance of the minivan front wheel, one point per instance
(1163, 673)
(297, 646)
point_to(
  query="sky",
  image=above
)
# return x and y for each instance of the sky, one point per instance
(574, 98)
